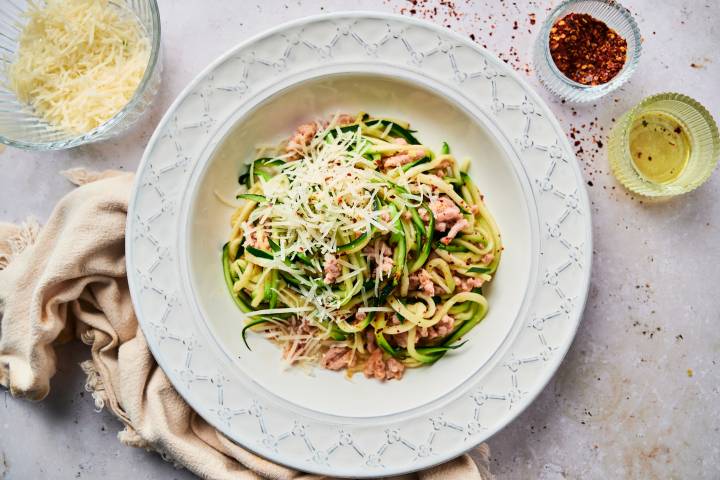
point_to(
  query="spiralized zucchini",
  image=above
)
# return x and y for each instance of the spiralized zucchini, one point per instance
(357, 247)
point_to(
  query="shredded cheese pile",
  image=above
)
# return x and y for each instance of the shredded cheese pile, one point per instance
(325, 195)
(79, 62)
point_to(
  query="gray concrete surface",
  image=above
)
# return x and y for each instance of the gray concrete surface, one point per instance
(638, 396)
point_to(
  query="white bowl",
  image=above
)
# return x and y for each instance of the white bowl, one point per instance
(437, 118)
(449, 89)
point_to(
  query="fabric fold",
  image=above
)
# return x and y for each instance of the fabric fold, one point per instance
(67, 280)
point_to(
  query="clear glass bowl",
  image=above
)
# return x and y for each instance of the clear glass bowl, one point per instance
(704, 144)
(20, 127)
(616, 17)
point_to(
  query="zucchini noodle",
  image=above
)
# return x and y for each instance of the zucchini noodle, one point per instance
(358, 248)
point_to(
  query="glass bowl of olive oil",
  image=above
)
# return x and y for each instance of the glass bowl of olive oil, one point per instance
(666, 145)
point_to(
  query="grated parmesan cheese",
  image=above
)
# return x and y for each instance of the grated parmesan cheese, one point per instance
(331, 193)
(317, 202)
(79, 62)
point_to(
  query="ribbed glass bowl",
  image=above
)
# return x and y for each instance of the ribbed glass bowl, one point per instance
(704, 145)
(617, 18)
(19, 125)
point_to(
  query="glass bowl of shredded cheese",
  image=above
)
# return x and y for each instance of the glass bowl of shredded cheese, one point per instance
(75, 71)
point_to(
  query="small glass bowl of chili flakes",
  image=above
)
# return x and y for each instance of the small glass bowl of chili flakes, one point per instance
(587, 49)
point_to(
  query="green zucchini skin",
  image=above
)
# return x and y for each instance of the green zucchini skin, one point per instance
(304, 259)
(480, 270)
(259, 253)
(248, 325)
(242, 303)
(396, 130)
(258, 168)
(356, 244)
(289, 278)
(252, 197)
(400, 253)
(451, 247)
(427, 241)
(408, 166)
(383, 343)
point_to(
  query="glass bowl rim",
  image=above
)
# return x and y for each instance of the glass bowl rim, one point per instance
(631, 114)
(89, 137)
(624, 142)
(631, 61)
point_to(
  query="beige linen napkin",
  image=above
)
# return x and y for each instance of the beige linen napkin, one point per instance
(68, 280)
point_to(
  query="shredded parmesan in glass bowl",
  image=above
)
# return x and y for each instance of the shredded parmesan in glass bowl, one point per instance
(76, 71)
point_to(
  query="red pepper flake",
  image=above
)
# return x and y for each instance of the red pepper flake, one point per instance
(586, 50)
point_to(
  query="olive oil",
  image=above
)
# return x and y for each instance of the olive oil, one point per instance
(666, 145)
(659, 147)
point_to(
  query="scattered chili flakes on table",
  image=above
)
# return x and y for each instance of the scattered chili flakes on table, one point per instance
(586, 50)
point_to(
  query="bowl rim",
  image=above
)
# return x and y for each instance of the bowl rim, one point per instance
(582, 197)
(109, 124)
(188, 205)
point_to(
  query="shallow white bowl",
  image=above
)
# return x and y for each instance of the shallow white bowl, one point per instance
(448, 89)
(436, 117)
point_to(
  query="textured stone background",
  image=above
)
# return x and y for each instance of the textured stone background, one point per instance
(638, 396)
